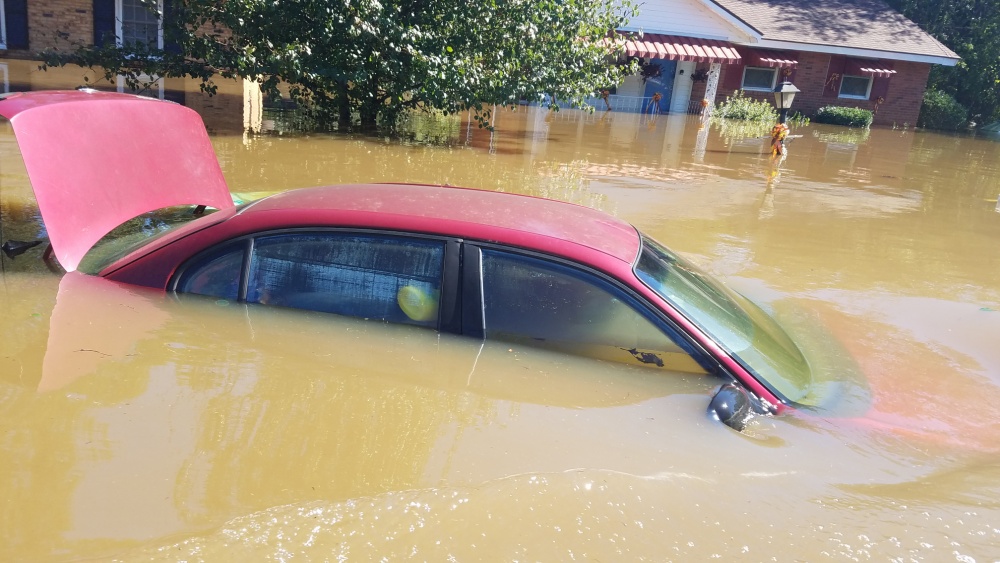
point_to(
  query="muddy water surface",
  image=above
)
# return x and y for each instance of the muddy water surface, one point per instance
(137, 426)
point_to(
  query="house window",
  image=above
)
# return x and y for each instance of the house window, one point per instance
(759, 78)
(138, 24)
(3, 27)
(856, 87)
(13, 24)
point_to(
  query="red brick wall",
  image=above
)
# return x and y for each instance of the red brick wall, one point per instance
(66, 25)
(901, 106)
(906, 94)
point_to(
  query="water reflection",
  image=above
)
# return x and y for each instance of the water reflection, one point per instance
(197, 409)
(210, 430)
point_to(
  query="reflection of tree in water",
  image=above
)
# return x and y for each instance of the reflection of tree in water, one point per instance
(21, 221)
(736, 132)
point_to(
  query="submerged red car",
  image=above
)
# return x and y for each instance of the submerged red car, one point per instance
(471, 262)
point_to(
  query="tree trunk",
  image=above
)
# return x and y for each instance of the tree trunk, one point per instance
(371, 103)
(369, 115)
(344, 105)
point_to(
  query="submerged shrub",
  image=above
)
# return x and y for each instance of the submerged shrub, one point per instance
(848, 117)
(738, 106)
(733, 130)
(941, 111)
(796, 118)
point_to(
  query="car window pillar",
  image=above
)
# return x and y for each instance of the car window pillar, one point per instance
(473, 319)
(245, 272)
(451, 289)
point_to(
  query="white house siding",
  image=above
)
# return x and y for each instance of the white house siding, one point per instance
(633, 86)
(682, 87)
(690, 18)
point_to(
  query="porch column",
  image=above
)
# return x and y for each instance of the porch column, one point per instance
(714, 70)
(253, 107)
(711, 87)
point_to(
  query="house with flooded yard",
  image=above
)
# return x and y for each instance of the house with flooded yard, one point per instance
(857, 53)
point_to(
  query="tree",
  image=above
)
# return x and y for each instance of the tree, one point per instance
(377, 58)
(971, 28)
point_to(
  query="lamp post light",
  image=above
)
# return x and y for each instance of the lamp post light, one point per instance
(784, 93)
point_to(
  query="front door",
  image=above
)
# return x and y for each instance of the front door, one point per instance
(659, 75)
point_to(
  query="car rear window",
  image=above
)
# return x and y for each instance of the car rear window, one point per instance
(137, 232)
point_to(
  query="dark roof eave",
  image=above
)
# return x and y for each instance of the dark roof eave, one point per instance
(944, 59)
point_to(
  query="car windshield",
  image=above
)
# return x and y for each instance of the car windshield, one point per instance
(136, 232)
(741, 328)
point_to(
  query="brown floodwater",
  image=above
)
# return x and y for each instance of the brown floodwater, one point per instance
(139, 426)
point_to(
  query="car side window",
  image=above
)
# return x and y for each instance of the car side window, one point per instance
(389, 278)
(544, 303)
(216, 274)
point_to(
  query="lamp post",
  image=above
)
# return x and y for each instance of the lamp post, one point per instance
(784, 93)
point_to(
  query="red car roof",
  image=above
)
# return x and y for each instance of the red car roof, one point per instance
(484, 215)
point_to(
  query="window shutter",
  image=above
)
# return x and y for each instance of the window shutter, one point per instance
(104, 22)
(16, 15)
(734, 77)
(170, 31)
(834, 75)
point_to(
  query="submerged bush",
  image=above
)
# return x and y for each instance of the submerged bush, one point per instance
(941, 111)
(738, 106)
(733, 130)
(848, 117)
(845, 136)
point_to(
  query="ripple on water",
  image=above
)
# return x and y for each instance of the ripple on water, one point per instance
(597, 515)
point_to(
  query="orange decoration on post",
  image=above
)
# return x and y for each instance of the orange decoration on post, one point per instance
(778, 134)
(654, 103)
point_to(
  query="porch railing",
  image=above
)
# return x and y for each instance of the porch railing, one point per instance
(628, 104)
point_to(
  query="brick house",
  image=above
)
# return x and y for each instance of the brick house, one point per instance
(28, 27)
(857, 53)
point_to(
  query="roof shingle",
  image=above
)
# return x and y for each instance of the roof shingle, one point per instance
(859, 24)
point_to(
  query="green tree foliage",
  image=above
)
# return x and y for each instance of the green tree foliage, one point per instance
(377, 58)
(971, 28)
(941, 111)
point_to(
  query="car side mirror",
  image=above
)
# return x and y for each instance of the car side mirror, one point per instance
(731, 405)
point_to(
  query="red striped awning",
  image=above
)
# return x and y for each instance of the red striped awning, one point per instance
(677, 48)
(767, 57)
(777, 62)
(886, 72)
(873, 67)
